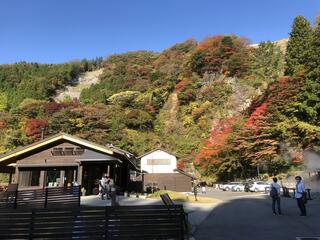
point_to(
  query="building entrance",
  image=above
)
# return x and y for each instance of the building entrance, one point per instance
(92, 173)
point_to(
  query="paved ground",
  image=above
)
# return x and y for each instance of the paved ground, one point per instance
(197, 212)
(246, 216)
(240, 216)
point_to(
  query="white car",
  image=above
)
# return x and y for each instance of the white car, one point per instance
(238, 188)
(259, 186)
(228, 186)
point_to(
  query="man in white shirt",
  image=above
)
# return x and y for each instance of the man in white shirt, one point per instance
(275, 195)
(299, 195)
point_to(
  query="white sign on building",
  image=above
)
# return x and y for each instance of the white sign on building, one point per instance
(158, 161)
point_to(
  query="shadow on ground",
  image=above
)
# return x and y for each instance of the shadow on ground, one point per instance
(251, 218)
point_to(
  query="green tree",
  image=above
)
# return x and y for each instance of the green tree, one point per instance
(299, 46)
(3, 101)
(314, 58)
(267, 62)
(308, 106)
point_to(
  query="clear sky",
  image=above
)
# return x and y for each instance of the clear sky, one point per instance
(56, 31)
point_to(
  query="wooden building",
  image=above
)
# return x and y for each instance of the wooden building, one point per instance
(64, 160)
(160, 172)
(179, 181)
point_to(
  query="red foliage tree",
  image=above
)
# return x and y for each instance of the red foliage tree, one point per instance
(3, 124)
(180, 164)
(209, 154)
(34, 127)
(52, 107)
(256, 115)
(182, 85)
(221, 54)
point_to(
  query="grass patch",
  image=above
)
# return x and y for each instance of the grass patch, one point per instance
(181, 197)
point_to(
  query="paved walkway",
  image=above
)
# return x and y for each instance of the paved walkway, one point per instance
(240, 216)
(250, 217)
(197, 212)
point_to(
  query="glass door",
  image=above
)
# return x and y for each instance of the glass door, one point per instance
(53, 178)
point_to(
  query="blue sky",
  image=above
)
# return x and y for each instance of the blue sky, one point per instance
(56, 31)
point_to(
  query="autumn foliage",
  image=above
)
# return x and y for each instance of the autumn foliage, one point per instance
(3, 124)
(209, 154)
(180, 164)
(227, 55)
(34, 127)
(230, 151)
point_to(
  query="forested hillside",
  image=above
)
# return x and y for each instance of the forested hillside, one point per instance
(219, 104)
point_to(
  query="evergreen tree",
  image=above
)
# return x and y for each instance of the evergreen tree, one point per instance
(309, 98)
(267, 62)
(314, 58)
(298, 48)
(316, 22)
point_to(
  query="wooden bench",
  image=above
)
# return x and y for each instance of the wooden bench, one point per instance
(169, 203)
(145, 222)
(122, 222)
(166, 199)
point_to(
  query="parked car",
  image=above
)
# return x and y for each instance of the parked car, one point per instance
(238, 188)
(221, 186)
(259, 186)
(228, 186)
(247, 186)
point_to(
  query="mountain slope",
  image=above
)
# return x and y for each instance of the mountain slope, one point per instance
(85, 80)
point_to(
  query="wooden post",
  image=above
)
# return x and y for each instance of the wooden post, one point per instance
(42, 180)
(31, 229)
(15, 199)
(62, 175)
(10, 177)
(106, 217)
(108, 170)
(79, 178)
(16, 175)
(79, 195)
(113, 196)
(46, 198)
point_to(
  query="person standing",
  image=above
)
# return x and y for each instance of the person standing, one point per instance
(102, 183)
(108, 187)
(275, 195)
(300, 189)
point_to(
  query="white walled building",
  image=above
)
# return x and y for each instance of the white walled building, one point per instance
(158, 161)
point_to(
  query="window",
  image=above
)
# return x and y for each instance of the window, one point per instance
(68, 151)
(158, 161)
(78, 151)
(29, 177)
(53, 178)
(57, 152)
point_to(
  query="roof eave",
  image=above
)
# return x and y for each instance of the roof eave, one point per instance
(52, 139)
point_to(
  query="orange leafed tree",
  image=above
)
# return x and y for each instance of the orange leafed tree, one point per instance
(209, 154)
(180, 164)
(34, 127)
